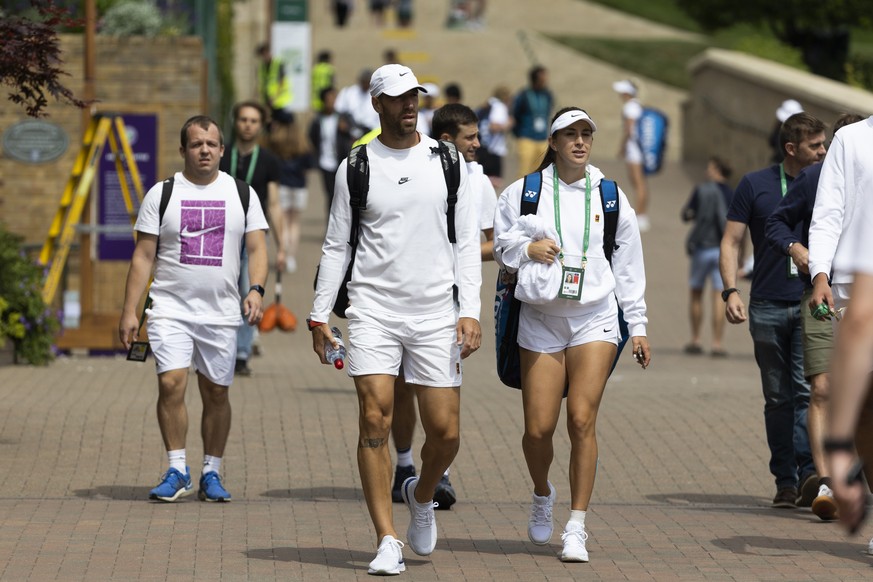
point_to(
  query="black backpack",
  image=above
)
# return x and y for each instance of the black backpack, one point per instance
(507, 308)
(358, 178)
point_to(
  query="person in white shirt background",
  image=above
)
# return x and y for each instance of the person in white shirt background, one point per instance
(630, 150)
(402, 309)
(571, 337)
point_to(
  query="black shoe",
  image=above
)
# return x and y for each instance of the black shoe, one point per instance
(808, 490)
(785, 498)
(401, 474)
(444, 495)
(242, 368)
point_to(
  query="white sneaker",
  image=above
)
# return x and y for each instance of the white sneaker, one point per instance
(574, 538)
(389, 558)
(539, 525)
(824, 504)
(870, 547)
(290, 265)
(422, 532)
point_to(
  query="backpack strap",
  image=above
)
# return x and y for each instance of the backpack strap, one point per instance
(244, 193)
(530, 193)
(358, 179)
(166, 193)
(452, 171)
(609, 201)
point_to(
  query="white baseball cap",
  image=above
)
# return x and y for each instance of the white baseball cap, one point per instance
(568, 118)
(393, 80)
(432, 90)
(625, 87)
(788, 108)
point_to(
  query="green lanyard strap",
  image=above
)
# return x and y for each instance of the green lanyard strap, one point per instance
(234, 156)
(782, 180)
(556, 198)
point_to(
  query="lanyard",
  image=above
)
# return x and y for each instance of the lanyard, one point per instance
(556, 198)
(251, 171)
(782, 179)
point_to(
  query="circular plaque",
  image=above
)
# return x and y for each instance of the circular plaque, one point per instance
(34, 141)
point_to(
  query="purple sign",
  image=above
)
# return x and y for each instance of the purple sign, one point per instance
(142, 134)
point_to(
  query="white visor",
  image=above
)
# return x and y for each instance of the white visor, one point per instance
(569, 118)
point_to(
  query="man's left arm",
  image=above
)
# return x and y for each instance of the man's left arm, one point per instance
(469, 268)
(277, 218)
(256, 246)
(782, 223)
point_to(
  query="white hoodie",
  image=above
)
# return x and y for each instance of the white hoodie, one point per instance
(626, 278)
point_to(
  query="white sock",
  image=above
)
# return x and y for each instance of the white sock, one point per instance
(404, 458)
(578, 516)
(446, 474)
(177, 460)
(211, 463)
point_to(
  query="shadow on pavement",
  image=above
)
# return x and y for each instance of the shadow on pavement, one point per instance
(117, 492)
(496, 546)
(317, 494)
(770, 546)
(322, 556)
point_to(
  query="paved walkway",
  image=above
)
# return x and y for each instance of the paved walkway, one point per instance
(682, 491)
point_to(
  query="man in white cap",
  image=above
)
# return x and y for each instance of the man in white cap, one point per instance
(402, 310)
(630, 150)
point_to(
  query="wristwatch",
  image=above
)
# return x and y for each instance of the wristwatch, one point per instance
(727, 293)
(257, 288)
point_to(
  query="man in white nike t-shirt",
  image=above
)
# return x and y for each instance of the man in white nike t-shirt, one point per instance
(402, 309)
(195, 302)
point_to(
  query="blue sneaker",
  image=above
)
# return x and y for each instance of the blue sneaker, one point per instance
(211, 489)
(173, 486)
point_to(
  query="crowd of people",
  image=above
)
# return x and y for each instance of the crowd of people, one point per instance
(413, 280)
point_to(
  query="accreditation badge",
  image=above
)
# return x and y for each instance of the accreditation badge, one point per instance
(571, 283)
(792, 269)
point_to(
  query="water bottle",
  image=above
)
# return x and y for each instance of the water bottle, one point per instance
(336, 356)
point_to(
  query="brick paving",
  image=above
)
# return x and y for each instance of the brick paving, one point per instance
(682, 490)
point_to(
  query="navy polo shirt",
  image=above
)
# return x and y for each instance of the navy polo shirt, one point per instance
(756, 197)
(796, 208)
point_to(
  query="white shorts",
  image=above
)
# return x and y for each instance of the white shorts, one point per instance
(293, 198)
(632, 152)
(426, 347)
(548, 334)
(212, 348)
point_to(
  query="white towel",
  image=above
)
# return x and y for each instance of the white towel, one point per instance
(536, 283)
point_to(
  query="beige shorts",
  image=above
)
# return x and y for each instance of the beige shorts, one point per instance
(293, 198)
(818, 340)
(176, 344)
(548, 334)
(426, 347)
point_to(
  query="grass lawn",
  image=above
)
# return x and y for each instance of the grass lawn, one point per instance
(666, 60)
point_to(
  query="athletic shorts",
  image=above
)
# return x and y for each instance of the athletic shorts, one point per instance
(704, 264)
(212, 348)
(426, 347)
(548, 334)
(293, 198)
(633, 154)
(818, 340)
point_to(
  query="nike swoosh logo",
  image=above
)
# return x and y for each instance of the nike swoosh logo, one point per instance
(190, 234)
(401, 74)
(607, 330)
(403, 180)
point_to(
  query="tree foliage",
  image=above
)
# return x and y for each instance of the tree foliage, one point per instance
(30, 57)
(819, 29)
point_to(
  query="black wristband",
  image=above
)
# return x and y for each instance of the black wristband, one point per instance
(257, 288)
(834, 445)
(727, 293)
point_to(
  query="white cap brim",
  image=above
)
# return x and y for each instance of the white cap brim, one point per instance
(624, 87)
(568, 118)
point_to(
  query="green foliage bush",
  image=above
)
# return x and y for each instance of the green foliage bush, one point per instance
(25, 319)
(131, 18)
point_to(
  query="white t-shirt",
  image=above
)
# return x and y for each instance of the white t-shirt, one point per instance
(405, 263)
(485, 198)
(499, 114)
(845, 185)
(357, 103)
(199, 245)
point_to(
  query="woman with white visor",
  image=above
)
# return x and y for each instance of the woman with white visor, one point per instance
(569, 329)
